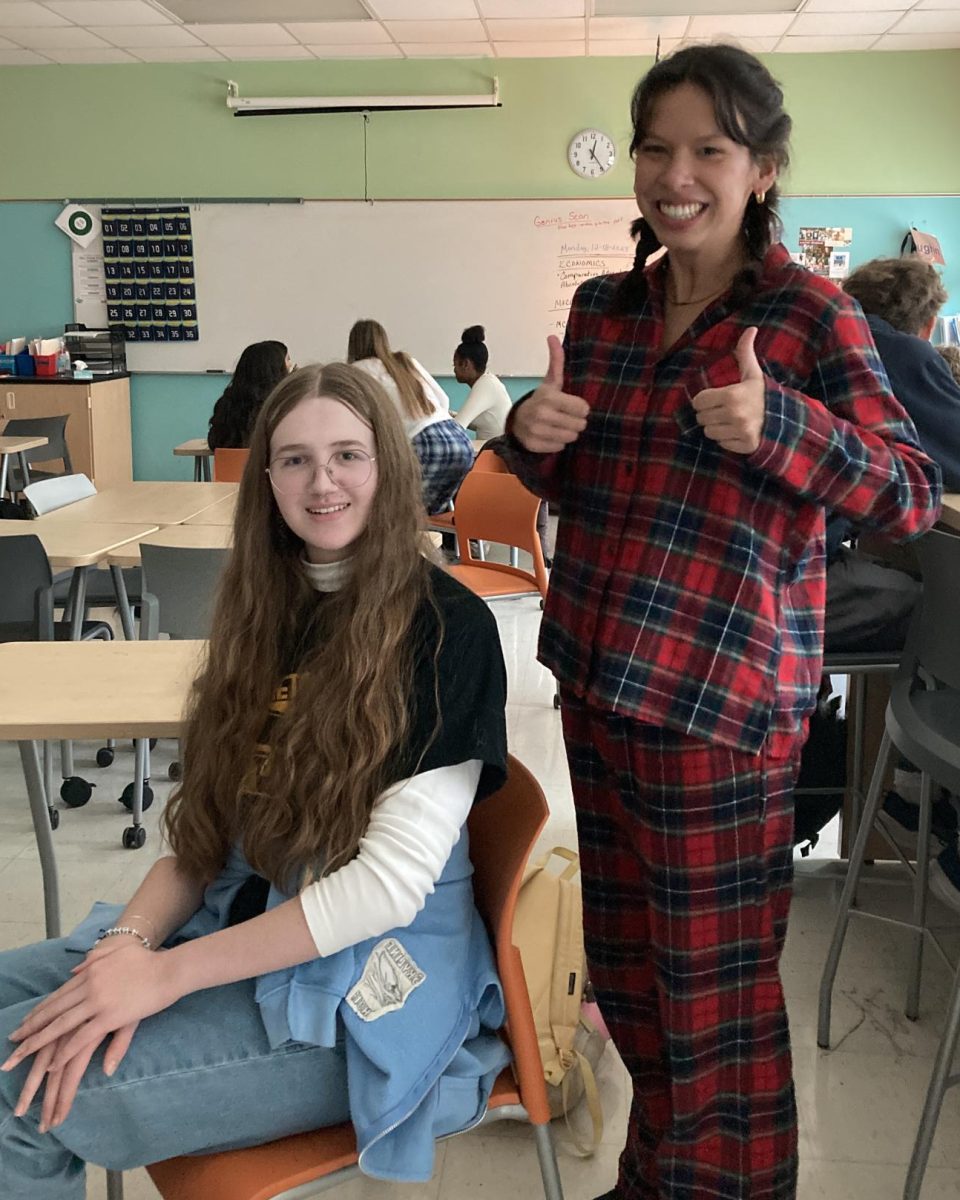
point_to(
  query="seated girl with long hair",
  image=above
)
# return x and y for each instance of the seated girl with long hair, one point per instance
(310, 953)
(258, 371)
(443, 448)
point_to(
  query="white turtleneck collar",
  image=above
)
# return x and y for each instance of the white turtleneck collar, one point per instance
(327, 577)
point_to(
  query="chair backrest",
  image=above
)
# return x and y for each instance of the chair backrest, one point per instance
(52, 428)
(497, 507)
(229, 464)
(503, 831)
(184, 581)
(489, 460)
(25, 572)
(47, 495)
(933, 640)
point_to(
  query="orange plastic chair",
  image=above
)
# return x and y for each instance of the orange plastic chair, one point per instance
(228, 464)
(503, 830)
(486, 460)
(498, 508)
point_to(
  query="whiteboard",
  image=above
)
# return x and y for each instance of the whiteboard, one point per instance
(303, 273)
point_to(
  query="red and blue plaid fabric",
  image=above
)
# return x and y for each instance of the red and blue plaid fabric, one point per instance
(688, 585)
(686, 858)
(445, 453)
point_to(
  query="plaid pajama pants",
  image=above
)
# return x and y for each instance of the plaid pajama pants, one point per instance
(445, 453)
(686, 857)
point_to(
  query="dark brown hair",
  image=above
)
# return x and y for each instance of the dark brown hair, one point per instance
(331, 749)
(748, 104)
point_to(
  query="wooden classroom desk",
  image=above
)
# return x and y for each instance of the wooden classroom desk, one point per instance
(77, 545)
(203, 537)
(951, 511)
(18, 446)
(157, 503)
(200, 452)
(221, 513)
(102, 689)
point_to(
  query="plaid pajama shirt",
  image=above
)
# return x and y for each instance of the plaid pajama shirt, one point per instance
(685, 610)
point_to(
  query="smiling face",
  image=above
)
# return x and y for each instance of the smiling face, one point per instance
(328, 516)
(691, 181)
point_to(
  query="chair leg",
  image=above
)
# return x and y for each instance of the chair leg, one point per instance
(854, 868)
(549, 1171)
(939, 1082)
(114, 1185)
(920, 894)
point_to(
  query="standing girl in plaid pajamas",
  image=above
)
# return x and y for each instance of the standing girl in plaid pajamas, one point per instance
(703, 411)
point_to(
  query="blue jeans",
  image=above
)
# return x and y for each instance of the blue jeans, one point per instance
(198, 1076)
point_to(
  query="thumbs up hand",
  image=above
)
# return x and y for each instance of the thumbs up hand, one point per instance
(551, 418)
(733, 415)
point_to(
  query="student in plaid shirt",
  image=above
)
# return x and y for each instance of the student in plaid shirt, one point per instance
(702, 413)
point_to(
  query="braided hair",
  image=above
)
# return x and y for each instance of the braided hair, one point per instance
(748, 104)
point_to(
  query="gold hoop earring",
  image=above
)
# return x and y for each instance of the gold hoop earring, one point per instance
(759, 197)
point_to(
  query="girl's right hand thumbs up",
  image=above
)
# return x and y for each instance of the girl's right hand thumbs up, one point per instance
(551, 418)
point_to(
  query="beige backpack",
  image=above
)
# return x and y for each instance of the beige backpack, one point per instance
(548, 932)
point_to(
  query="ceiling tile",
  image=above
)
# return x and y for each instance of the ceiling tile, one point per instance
(358, 50)
(858, 22)
(637, 28)
(447, 49)
(67, 38)
(109, 12)
(265, 53)
(540, 49)
(560, 29)
(329, 33)
(423, 10)
(756, 45)
(930, 22)
(845, 6)
(132, 37)
(22, 58)
(627, 47)
(91, 57)
(242, 35)
(5, 45)
(919, 41)
(253, 12)
(532, 8)
(28, 16)
(939, 4)
(437, 31)
(745, 24)
(825, 45)
(165, 54)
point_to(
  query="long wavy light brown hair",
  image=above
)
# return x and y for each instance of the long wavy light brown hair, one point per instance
(368, 339)
(330, 749)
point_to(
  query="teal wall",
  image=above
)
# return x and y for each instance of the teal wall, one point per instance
(865, 125)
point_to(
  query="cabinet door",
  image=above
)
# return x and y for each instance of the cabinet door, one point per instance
(25, 400)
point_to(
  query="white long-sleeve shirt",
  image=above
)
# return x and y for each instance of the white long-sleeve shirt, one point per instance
(437, 398)
(413, 828)
(486, 408)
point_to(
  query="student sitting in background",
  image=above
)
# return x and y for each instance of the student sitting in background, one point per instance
(487, 406)
(951, 356)
(259, 370)
(325, 958)
(443, 449)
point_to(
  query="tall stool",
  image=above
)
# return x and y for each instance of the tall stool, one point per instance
(923, 723)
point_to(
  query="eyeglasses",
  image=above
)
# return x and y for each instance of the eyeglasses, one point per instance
(291, 473)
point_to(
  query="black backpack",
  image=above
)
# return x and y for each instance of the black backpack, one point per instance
(823, 764)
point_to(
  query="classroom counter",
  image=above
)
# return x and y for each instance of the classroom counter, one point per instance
(54, 379)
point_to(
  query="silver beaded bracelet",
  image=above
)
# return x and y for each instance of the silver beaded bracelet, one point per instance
(116, 930)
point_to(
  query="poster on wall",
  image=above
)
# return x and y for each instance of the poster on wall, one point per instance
(148, 265)
(819, 251)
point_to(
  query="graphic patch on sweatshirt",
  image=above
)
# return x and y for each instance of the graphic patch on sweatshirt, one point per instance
(388, 978)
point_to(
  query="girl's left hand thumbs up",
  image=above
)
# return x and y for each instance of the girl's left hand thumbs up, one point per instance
(733, 415)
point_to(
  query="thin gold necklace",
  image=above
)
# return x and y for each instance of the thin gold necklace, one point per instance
(696, 299)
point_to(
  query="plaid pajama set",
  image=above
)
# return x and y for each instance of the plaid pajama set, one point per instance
(684, 622)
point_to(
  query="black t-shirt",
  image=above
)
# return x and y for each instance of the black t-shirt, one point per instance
(466, 683)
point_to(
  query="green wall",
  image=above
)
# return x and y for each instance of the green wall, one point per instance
(880, 124)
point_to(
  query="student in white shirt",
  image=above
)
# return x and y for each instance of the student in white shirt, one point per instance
(444, 451)
(488, 404)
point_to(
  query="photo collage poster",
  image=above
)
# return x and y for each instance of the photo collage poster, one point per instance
(823, 250)
(148, 267)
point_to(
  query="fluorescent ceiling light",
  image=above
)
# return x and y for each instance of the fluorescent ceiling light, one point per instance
(276, 106)
(691, 8)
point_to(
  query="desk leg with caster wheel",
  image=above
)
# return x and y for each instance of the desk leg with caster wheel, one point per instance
(30, 758)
